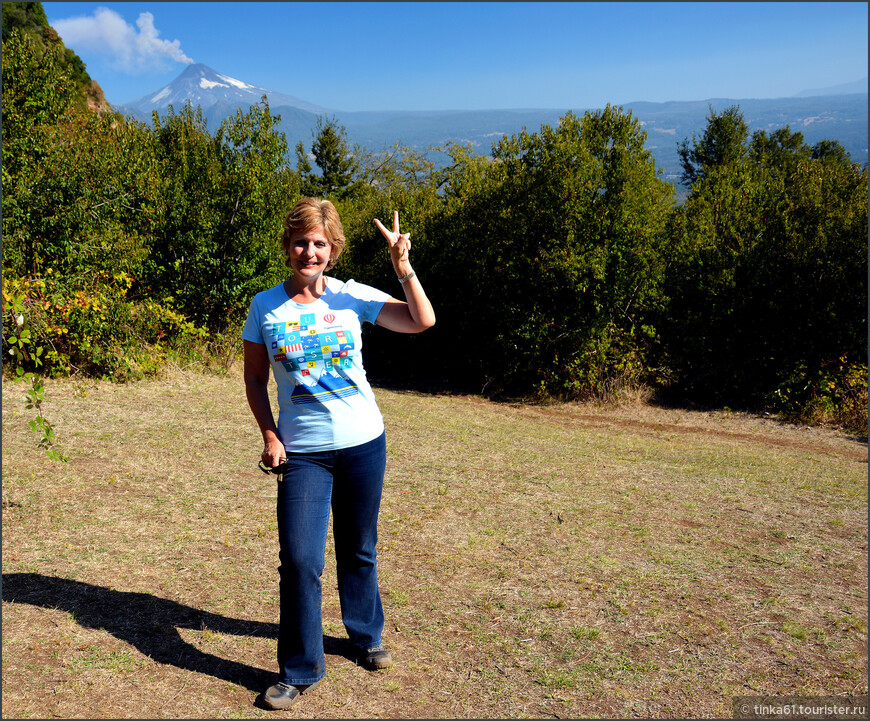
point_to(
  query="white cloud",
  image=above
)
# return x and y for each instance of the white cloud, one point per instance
(131, 50)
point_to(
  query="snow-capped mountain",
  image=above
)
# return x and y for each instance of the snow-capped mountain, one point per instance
(207, 88)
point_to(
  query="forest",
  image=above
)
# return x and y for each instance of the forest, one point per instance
(560, 265)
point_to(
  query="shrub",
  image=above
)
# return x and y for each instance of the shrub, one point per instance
(836, 395)
(92, 327)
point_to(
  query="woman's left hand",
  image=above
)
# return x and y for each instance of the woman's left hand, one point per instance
(400, 245)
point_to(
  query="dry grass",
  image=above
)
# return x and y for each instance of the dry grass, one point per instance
(561, 561)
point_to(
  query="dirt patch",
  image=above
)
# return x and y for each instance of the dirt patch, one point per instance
(847, 447)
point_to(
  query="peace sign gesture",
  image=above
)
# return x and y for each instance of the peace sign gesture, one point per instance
(417, 314)
(400, 245)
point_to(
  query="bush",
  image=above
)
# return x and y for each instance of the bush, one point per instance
(93, 328)
(836, 395)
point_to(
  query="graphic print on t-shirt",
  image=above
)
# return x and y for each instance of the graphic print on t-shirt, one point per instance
(320, 357)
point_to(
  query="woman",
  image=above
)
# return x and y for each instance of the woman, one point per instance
(329, 430)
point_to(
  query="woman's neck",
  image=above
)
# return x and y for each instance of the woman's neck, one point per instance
(300, 291)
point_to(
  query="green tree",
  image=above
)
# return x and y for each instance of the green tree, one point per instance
(403, 179)
(37, 90)
(398, 178)
(706, 319)
(555, 239)
(830, 151)
(780, 152)
(29, 18)
(223, 201)
(768, 272)
(723, 142)
(309, 182)
(336, 163)
(63, 169)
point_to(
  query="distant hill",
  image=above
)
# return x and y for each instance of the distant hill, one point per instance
(859, 86)
(835, 117)
(840, 117)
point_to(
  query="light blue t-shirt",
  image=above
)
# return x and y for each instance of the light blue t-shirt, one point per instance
(325, 401)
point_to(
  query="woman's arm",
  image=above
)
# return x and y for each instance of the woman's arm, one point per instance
(412, 317)
(416, 314)
(256, 375)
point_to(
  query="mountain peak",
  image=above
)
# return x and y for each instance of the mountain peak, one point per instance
(212, 78)
(206, 87)
(195, 68)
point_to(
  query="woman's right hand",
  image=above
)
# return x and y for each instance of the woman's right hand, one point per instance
(273, 453)
(256, 379)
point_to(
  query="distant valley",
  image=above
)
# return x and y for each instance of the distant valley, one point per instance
(841, 117)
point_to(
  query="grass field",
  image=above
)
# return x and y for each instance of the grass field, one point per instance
(555, 561)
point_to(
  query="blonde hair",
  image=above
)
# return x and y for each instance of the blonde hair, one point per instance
(311, 213)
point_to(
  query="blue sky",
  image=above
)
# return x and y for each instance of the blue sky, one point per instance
(466, 56)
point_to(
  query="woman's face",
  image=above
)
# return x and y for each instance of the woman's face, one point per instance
(309, 252)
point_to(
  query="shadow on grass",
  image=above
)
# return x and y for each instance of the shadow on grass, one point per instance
(150, 624)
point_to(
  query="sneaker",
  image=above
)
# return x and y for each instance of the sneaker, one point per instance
(376, 658)
(284, 695)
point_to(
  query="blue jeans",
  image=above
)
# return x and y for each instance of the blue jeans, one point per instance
(350, 480)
